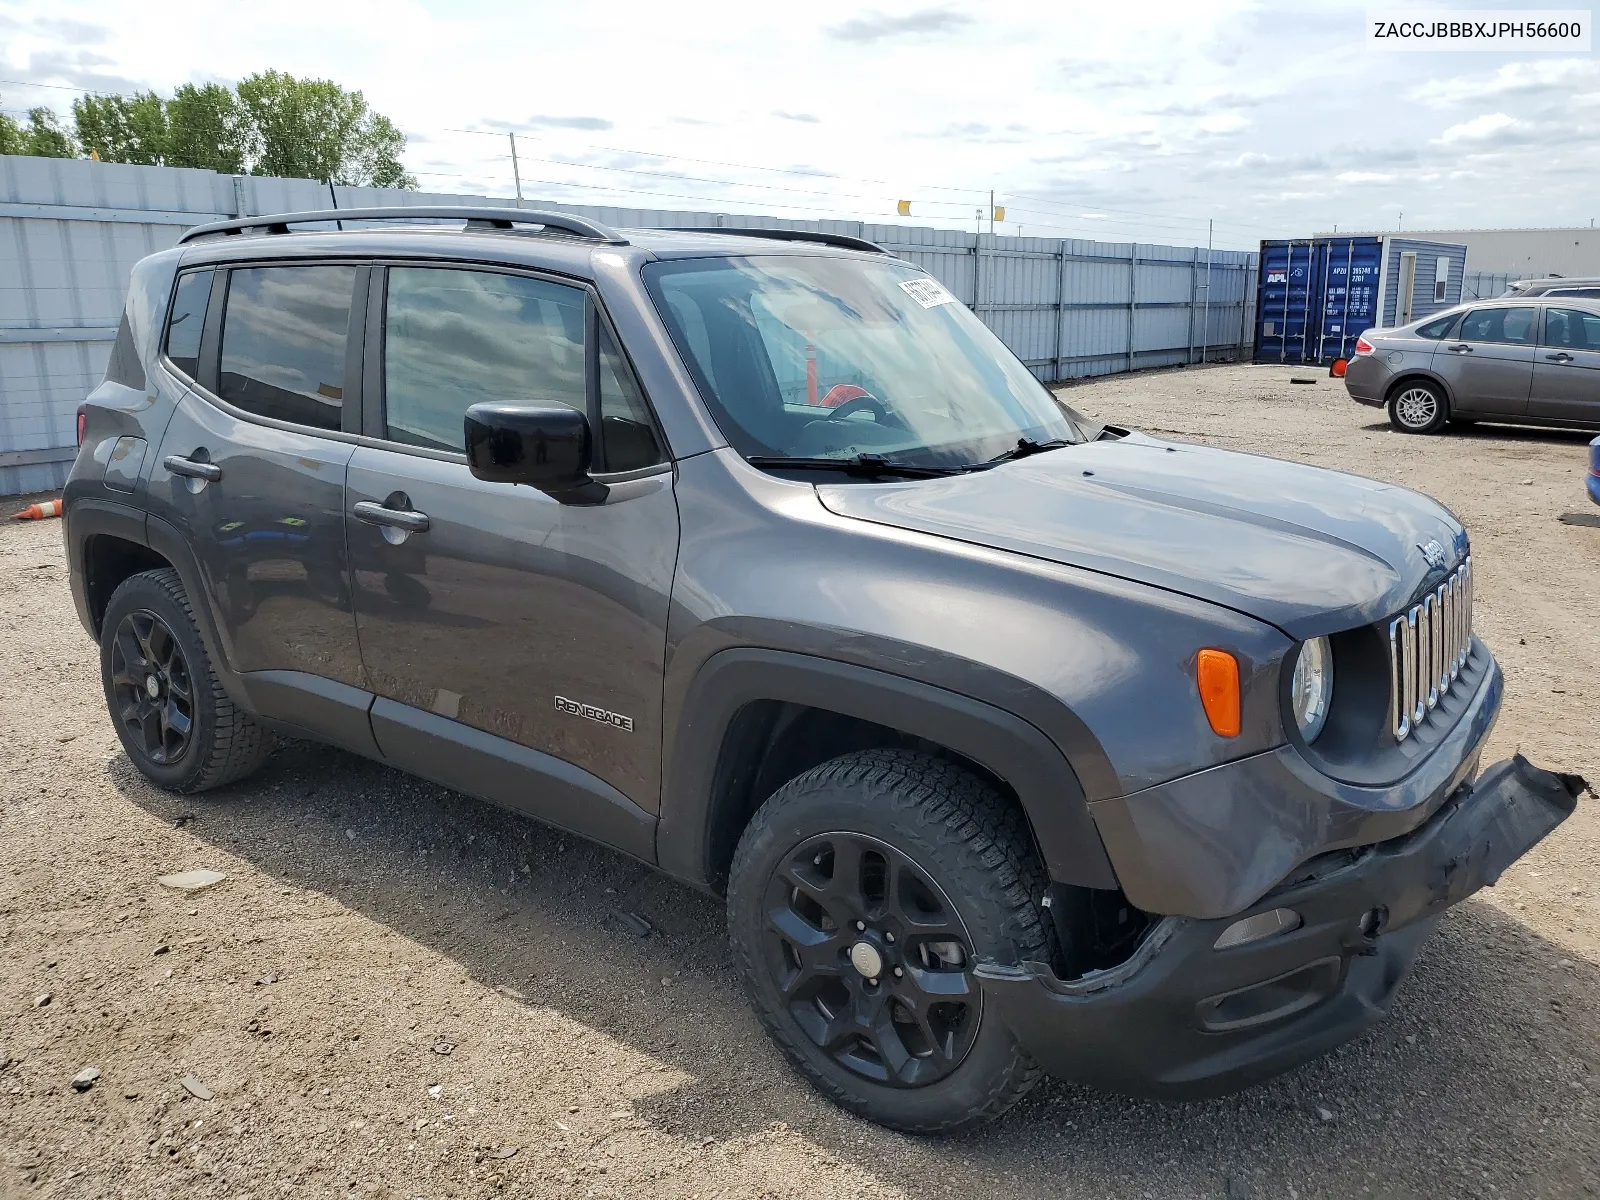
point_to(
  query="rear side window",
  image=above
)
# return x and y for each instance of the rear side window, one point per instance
(456, 338)
(1439, 327)
(1514, 325)
(187, 320)
(284, 334)
(1571, 329)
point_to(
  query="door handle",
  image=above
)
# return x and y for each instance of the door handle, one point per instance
(1461, 349)
(374, 513)
(189, 468)
(1562, 357)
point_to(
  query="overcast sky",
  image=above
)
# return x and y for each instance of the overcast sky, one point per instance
(1112, 120)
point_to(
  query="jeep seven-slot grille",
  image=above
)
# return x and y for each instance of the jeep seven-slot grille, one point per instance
(1428, 647)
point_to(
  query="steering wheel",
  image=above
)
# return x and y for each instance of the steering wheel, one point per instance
(880, 411)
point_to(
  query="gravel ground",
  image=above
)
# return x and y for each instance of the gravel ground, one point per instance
(398, 992)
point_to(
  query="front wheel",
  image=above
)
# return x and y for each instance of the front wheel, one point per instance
(861, 897)
(1418, 408)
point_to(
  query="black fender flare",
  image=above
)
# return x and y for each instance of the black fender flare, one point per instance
(87, 518)
(1002, 743)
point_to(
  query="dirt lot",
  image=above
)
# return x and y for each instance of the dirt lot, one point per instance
(398, 992)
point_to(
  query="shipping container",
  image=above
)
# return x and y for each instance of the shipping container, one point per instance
(1316, 296)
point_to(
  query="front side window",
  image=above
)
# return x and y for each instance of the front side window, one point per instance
(455, 338)
(1439, 327)
(1571, 329)
(821, 357)
(284, 333)
(1514, 325)
(187, 321)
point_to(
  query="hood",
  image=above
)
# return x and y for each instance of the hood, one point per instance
(1309, 550)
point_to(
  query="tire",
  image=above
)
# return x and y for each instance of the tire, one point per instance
(148, 633)
(1417, 407)
(952, 851)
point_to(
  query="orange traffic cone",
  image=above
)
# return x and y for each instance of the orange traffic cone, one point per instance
(38, 512)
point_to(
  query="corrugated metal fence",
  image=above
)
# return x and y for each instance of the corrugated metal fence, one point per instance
(70, 232)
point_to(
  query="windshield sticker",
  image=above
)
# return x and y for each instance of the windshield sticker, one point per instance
(926, 292)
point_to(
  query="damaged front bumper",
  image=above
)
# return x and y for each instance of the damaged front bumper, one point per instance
(1181, 1018)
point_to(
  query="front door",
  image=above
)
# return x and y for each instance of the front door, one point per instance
(254, 483)
(1566, 373)
(1488, 365)
(496, 624)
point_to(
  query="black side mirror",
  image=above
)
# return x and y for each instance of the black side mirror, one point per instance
(545, 446)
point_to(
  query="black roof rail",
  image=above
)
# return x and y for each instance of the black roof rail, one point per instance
(476, 219)
(842, 240)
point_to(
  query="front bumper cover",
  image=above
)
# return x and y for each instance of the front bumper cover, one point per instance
(1181, 1019)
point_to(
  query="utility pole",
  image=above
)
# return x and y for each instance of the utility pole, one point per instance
(516, 171)
(1205, 320)
(991, 212)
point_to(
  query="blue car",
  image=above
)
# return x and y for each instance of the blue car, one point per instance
(1594, 470)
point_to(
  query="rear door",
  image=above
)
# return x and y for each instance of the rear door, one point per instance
(1488, 364)
(1566, 373)
(251, 473)
(509, 636)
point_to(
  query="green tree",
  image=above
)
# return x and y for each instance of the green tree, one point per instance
(206, 128)
(314, 129)
(11, 135)
(123, 129)
(42, 137)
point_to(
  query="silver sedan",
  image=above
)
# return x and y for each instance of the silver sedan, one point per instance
(1533, 361)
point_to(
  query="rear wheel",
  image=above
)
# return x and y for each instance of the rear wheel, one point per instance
(860, 898)
(170, 712)
(1417, 407)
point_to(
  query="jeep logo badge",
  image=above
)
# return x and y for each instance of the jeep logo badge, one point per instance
(574, 708)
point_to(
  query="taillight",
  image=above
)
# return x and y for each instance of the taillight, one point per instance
(83, 422)
(1363, 346)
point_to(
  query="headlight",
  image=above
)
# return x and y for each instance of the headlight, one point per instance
(1311, 689)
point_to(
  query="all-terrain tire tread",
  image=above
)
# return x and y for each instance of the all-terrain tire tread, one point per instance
(964, 811)
(239, 745)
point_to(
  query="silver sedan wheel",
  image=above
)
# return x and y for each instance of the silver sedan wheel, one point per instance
(1416, 408)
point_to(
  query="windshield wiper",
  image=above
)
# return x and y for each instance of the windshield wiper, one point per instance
(1024, 447)
(866, 465)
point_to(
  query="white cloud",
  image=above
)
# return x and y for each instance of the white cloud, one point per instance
(1484, 129)
(1553, 78)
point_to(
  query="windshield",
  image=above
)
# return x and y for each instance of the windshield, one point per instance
(816, 357)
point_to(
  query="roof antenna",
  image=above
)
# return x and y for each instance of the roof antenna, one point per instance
(334, 196)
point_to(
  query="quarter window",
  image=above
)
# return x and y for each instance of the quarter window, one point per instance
(188, 320)
(284, 333)
(454, 338)
(1438, 328)
(1514, 325)
(1571, 329)
(626, 431)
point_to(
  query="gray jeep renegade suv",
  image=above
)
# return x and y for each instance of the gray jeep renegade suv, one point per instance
(1015, 741)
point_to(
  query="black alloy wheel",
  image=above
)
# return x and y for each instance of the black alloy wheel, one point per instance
(871, 960)
(152, 687)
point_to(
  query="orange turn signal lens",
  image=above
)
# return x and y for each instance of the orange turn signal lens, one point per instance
(1217, 673)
